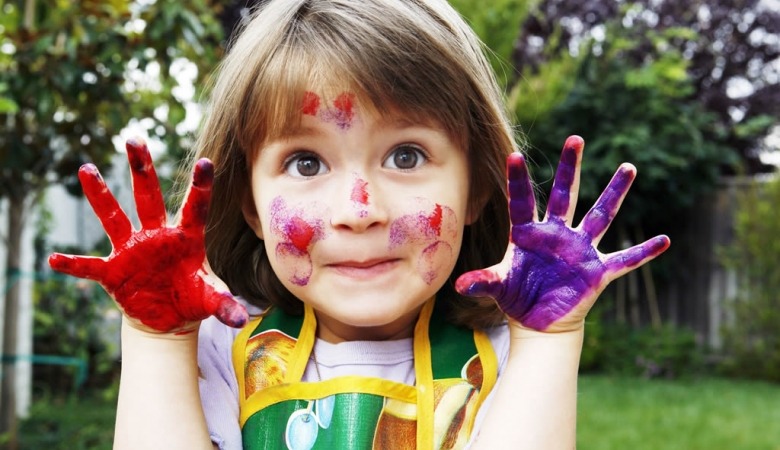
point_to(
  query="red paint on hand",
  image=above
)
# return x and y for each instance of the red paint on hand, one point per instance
(155, 274)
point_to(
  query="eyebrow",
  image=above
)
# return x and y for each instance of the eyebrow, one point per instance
(302, 131)
(400, 122)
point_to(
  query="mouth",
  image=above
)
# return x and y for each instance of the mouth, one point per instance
(364, 269)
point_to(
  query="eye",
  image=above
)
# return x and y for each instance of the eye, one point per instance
(405, 157)
(304, 165)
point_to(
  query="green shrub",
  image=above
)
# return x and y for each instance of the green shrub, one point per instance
(664, 352)
(73, 423)
(752, 338)
(74, 319)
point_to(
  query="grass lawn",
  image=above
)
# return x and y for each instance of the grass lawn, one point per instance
(713, 414)
(614, 413)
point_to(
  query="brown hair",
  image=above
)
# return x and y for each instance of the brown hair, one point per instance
(414, 56)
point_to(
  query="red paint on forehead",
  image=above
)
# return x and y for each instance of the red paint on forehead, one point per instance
(299, 233)
(310, 104)
(345, 103)
(434, 220)
(359, 192)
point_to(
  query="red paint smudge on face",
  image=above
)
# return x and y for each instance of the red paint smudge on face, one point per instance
(345, 104)
(434, 220)
(299, 232)
(310, 104)
(359, 192)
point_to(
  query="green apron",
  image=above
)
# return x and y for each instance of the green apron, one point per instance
(455, 370)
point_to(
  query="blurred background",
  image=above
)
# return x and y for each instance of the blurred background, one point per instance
(682, 354)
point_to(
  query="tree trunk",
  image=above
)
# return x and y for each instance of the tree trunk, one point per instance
(16, 214)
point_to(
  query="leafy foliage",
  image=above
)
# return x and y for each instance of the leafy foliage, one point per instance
(626, 112)
(730, 50)
(69, 81)
(498, 25)
(83, 423)
(752, 340)
(73, 318)
(618, 349)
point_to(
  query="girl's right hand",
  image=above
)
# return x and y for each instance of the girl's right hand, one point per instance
(156, 274)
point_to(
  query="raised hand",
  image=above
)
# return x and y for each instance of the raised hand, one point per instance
(156, 275)
(552, 273)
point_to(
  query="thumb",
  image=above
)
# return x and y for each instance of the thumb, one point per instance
(229, 311)
(480, 283)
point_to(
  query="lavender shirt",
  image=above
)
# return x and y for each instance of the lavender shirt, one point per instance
(391, 360)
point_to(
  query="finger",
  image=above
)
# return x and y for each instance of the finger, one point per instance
(624, 261)
(563, 197)
(196, 206)
(522, 205)
(229, 311)
(114, 220)
(89, 267)
(598, 219)
(146, 186)
(480, 283)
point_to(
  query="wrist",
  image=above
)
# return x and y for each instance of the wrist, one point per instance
(138, 333)
(523, 339)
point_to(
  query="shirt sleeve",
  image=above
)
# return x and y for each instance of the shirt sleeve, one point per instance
(218, 385)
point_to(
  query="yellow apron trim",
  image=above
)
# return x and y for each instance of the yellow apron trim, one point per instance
(239, 353)
(423, 369)
(487, 357)
(302, 351)
(321, 389)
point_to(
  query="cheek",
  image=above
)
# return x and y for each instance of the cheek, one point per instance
(294, 233)
(435, 260)
(433, 236)
(432, 223)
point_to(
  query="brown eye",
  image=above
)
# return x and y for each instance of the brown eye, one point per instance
(405, 157)
(305, 165)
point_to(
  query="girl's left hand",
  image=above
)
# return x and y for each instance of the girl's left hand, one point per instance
(552, 273)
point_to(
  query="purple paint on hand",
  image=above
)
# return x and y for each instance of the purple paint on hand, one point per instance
(554, 272)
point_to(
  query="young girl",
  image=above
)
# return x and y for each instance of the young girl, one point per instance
(355, 157)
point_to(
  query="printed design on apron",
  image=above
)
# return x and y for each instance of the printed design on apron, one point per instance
(280, 411)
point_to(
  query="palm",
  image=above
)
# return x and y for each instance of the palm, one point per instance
(553, 273)
(155, 274)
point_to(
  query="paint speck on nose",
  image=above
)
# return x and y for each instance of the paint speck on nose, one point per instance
(359, 192)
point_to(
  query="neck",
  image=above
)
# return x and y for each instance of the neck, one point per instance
(335, 332)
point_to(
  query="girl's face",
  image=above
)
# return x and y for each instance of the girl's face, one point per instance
(362, 216)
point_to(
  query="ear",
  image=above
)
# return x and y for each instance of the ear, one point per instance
(251, 216)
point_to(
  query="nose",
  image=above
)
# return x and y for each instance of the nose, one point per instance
(357, 205)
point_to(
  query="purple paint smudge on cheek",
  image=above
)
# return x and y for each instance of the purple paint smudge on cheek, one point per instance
(433, 259)
(295, 263)
(423, 226)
